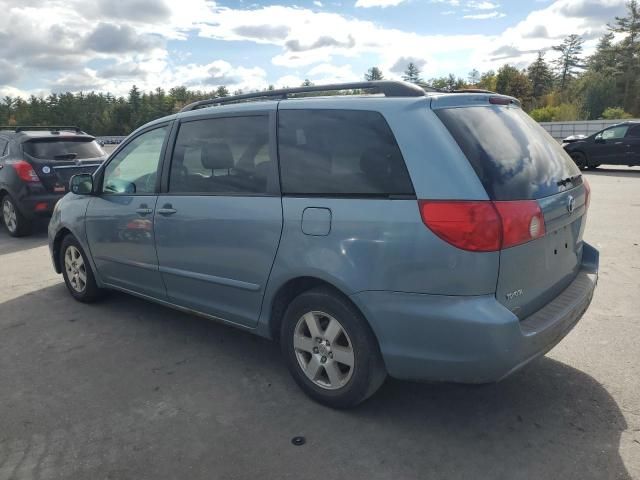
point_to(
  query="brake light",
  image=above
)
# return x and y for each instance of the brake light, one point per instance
(24, 170)
(483, 226)
(587, 192)
(499, 101)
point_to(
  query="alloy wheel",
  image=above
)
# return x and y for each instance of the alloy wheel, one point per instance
(75, 268)
(9, 215)
(324, 350)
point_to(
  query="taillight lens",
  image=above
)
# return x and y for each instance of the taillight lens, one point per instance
(483, 226)
(24, 170)
(587, 192)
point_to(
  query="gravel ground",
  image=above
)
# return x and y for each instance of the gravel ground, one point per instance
(125, 389)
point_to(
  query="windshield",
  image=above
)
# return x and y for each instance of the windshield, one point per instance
(513, 156)
(63, 149)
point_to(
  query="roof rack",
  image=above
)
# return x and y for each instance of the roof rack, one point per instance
(473, 90)
(388, 88)
(26, 128)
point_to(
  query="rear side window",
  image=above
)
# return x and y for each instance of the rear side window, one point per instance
(634, 132)
(339, 152)
(513, 156)
(63, 149)
(222, 156)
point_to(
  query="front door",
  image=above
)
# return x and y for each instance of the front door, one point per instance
(219, 221)
(610, 146)
(119, 220)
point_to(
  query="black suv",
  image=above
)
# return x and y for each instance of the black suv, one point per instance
(617, 145)
(36, 164)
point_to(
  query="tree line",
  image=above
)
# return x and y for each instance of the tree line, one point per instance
(572, 86)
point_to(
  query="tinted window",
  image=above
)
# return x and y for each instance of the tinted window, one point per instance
(222, 155)
(514, 157)
(63, 149)
(134, 168)
(634, 132)
(613, 133)
(339, 152)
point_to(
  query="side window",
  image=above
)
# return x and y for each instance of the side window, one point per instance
(340, 152)
(222, 155)
(615, 132)
(634, 132)
(134, 169)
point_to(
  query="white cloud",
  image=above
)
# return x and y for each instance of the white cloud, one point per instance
(378, 3)
(318, 3)
(480, 5)
(484, 16)
(307, 42)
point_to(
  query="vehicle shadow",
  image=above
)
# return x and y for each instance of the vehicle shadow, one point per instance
(125, 375)
(38, 238)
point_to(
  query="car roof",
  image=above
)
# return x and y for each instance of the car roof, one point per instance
(27, 134)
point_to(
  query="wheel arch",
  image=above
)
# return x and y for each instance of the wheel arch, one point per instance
(56, 245)
(290, 290)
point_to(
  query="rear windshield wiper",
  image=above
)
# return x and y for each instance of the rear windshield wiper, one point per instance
(65, 156)
(567, 180)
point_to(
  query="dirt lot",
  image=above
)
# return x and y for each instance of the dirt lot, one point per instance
(129, 390)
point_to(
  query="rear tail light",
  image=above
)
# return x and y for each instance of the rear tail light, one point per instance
(24, 170)
(483, 226)
(587, 192)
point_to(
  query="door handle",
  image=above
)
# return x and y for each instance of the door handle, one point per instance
(167, 209)
(143, 211)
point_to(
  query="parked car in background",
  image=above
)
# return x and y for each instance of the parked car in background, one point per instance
(36, 164)
(615, 145)
(428, 236)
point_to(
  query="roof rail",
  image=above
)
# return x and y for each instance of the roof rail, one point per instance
(473, 90)
(26, 128)
(389, 88)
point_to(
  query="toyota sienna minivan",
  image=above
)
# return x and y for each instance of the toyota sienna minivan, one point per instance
(422, 235)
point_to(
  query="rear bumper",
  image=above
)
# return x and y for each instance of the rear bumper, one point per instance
(471, 339)
(41, 204)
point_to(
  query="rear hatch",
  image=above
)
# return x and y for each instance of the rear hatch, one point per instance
(517, 160)
(56, 159)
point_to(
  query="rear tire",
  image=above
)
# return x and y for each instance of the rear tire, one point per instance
(330, 349)
(580, 159)
(77, 272)
(16, 224)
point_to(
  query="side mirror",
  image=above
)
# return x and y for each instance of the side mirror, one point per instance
(81, 184)
(600, 140)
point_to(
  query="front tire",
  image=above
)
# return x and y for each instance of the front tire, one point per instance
(330, 350)
(580, 159)
(16, 223)
(77, 272)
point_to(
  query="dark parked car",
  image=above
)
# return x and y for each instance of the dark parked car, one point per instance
(36, 164)
(617, 145)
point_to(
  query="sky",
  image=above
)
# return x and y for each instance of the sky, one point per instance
(110, 45)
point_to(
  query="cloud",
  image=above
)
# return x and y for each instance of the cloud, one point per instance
(145, 11)
(378, 3)
(484, 16)
(479, 5)
(294, 45)
(263, 32)
(400, 65)
(8, 73)
(110, 38)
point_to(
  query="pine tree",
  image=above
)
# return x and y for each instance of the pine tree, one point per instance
(473, 77)
(629, 49)
(374, 73)
(412, 74)
(570, 50)
(540, 77)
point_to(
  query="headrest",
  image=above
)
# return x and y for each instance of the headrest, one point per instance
(216, 156)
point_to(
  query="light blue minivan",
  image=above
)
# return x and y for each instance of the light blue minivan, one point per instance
(425, 235)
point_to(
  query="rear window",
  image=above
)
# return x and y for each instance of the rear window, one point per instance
(339, 153)
(63, 149)
(514, 157)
